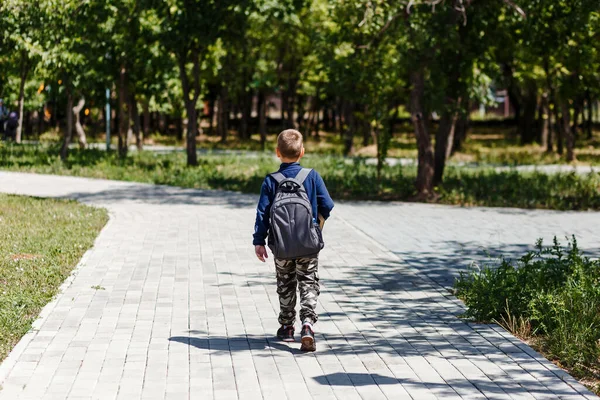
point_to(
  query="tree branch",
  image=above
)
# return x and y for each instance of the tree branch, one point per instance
(518, 9)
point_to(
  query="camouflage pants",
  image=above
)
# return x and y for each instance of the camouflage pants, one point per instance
(301, 272)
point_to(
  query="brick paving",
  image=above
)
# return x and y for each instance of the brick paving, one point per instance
(171, 304)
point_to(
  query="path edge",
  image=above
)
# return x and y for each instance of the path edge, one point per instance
(11, 360)
(558, 372)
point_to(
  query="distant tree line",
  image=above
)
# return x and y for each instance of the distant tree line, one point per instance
(345, 66)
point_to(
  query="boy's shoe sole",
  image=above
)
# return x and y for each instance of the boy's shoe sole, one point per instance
(308, 344)
(288, 340)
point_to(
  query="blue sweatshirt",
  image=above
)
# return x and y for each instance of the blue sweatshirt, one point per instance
(315, 189)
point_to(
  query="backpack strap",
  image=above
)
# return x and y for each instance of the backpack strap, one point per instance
(278, 176)
(302, 175)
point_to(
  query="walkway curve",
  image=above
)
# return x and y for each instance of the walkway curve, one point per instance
(187, 311)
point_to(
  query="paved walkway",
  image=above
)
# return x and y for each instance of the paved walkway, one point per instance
(187, 312)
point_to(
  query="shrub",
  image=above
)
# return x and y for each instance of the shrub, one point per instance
(554, 290)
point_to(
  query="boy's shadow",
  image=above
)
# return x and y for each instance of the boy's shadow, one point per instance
(237, 343)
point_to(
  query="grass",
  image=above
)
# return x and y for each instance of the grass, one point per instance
(41, 240)
(491, 145)
(501, 146)
(550, 298)
(346, 178)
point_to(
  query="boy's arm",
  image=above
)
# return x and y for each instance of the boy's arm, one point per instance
(261, 226)
(324, 201)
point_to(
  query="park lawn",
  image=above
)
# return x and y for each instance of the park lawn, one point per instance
(346, 178)
(496, 145)
(41, 241)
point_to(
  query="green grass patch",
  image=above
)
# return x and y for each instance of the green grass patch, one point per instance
(550, 297)
(41, 240)
(346, 178)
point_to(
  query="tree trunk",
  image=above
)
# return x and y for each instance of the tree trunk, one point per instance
(78, 127)
(575, 127)
(326, 119)
(341, 112)
(135, 117)
(69, 129)
(444, 139)
(513, 91)
(551, 133)
(382, 138)
(162, 123)
(527, 120)
(544, 121)
(284, 101)
(425, 169)
(24, 73)
(588, 125)
(461, 130)
(291, 97)
(190, 97)
(146, 119)
(366, 127)
(560, 132)
(179, 126)
(568, 133)
(301, 101)
(154, 121)
(123, 114)
(246, 115)
(349, 128)
(262, 118)
(309, 123)
(40, 121)
(317, 123)
(223, 126)
(192, 131)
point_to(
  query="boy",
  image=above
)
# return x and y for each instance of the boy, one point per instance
(299, 271)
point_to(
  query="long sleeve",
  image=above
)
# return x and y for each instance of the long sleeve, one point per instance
(261, 226)
(324, 201)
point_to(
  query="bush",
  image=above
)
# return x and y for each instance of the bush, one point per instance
(554, 289)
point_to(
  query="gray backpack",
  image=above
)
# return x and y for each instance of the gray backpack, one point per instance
(294, 233)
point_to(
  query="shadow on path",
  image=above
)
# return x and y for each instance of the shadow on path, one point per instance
(453, 257)
(167, 195)
(355, 379)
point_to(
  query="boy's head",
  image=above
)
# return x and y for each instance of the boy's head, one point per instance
(289, 146)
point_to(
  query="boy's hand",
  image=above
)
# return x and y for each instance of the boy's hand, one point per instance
(261, 253)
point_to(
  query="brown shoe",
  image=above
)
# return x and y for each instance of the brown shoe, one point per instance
(308, 339)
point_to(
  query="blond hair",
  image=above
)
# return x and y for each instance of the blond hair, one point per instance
(289, 143)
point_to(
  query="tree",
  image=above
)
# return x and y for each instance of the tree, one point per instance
(201, 23)
(445, 42)
(25, 21)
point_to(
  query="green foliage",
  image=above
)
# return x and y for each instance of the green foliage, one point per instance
(556, 290)
(561, 191)
(40, 242)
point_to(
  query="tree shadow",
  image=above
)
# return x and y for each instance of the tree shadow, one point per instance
(370, 344)
(355, 379)
(119, 192)
(393, 310)
(444, 267)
